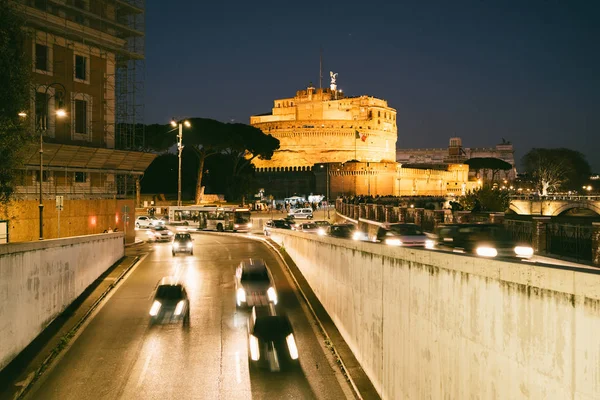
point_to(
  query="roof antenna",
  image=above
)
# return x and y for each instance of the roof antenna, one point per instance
(321, 68)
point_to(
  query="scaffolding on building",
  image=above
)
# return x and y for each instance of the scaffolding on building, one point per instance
(113, 30)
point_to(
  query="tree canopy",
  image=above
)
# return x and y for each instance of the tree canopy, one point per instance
(239, 143)
(556, 169)
(488, 163)
(14, 81)
(485, 198)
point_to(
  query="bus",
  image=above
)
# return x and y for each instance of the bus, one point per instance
(211, 217)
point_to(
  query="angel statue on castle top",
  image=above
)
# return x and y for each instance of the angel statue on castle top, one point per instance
(333, 77)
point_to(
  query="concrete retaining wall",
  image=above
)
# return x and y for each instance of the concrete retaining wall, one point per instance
(38, 280)
(431, 325)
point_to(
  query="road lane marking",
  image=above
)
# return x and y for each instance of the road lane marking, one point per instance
(144, 369)
(238, 370)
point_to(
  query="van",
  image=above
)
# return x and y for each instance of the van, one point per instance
(301, 213)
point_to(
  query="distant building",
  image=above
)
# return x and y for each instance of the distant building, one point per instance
(455, 153)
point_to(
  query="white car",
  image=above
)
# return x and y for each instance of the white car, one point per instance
(147, 222)
(301, 213)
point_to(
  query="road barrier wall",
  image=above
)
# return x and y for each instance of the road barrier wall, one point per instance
(38, 280)
(426, 324)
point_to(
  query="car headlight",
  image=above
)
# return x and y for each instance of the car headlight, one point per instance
(149, 233)
(393, 242)
(429, 244)
(254, 348)
(236, 225)
(523, 251)
(179, 307)
(292, 346)
(249, 224)
(170, 233)
(485, 251)
(175, 245)
(155, 308)
(272, 295)
(357, 235)
(241, 296)
(189, 245)
(321, 232)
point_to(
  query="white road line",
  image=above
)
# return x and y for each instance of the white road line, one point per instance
(144, 369)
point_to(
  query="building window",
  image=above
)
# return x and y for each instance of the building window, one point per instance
(81, 72)
(41, 57)
(80, 177)
(81, 126)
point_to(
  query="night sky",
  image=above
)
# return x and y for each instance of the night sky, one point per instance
(525, 71)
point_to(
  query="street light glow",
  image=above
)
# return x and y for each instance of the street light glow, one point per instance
(187, 123)
(173, 124)
(22, 114)
(61, 113)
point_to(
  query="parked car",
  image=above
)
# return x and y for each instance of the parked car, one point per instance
(307, 227)
(484, 240)
(170, 302)
(144, 221)
(277, 224)
(182, 243)
(254, 284)
(406, 235)
(160, 233)
(271, 342)
(301, 213)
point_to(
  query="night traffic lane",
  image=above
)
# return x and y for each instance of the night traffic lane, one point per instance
(118, 355)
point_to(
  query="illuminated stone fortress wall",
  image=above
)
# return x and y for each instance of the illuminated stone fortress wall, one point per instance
(319, 125)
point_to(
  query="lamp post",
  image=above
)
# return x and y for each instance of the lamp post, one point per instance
(327, 187)
(42, 127)
(179, 124)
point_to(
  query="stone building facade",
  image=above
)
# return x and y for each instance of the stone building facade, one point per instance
(389, 178)
(323, 125)
(86, 82)
(456, 153)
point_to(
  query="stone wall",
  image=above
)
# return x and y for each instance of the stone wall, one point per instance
(38, 280)
(432, 325)
(78, 217)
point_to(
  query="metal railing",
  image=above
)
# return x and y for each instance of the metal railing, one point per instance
(574, 241)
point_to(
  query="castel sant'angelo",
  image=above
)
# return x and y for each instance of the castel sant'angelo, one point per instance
(343, 144)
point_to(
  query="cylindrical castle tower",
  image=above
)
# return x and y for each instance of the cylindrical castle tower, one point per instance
(324, 125)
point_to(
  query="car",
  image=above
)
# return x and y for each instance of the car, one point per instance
(160, 233)
(301, 213)
(143, 221)
(275, 223)
(307, 227)
(182, 243)
(254, 284)
(346, 231)
(322, 225)
(170, 302)
(271, 342)
(405, 235)
(482, 239)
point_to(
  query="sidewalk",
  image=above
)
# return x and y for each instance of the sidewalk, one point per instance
(36, 357)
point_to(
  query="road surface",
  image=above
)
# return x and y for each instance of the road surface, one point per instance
(119, 356)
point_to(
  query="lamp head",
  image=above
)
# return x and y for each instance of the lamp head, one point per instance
(173, 123)
(187, 123)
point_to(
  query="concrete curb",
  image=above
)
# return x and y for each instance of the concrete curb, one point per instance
(71, 333)
(328, 343)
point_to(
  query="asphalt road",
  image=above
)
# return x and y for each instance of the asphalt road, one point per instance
(119, 356)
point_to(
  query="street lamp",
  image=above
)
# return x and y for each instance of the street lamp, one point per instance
(327, 187)
(179, 124)
(42, 127)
